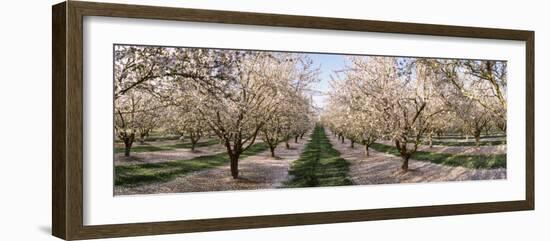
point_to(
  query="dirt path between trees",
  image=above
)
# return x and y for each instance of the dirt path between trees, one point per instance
(471, 150)
(169, 155)
(382, 168)
(260, 171)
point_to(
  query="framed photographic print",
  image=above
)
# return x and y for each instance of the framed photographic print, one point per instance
(171, 120)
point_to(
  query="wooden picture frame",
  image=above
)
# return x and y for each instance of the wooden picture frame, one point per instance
(67, 124)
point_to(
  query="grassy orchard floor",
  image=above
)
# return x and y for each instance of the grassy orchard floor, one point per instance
(140, 174)
(469, 143)
(150, 148)
(462, 137)
(385, 168)
(469, 161)
(258, 171)
(319, 164)
(321, 161)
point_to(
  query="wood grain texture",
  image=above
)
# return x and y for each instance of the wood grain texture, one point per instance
(530, 119)
(59, 193)
(74, 122)
(280, 20)
(122, 230)
(67, 156)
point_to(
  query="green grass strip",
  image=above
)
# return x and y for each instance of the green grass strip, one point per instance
(151, 148)
(469, 143)
(319, 164)
(469, 137)
(139, 174)
(469, 161)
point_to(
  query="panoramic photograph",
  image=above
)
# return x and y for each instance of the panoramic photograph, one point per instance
(192, 119)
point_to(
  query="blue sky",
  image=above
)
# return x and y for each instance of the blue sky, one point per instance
(328, 63)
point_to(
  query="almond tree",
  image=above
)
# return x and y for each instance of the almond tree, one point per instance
(481, 81)
(361, 122)
(138, 67)
(233, 93)
(336, 119)
(185, 120)
(409, 99)
(272, 132)
(294, 115)
(134, 116)
(403, 91)
(476, 92)
(149, 119)
(304, 122)
(280, 126)
(278, 129)
(292, 119)
(474, 118)
(339, 115)
(302, 89)
(440, 125)
(236, 92)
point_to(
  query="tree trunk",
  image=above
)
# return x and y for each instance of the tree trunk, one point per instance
(127, 146)
(144, 136)
(477, 136)
(296, 139)
(343, 140)
(234, 166)
(430, 139)
(287, 145)
(127, 150)
(352, 144)
(193, 144)
(302, 135)
(366, 149)
(405, 165)
(272, 149)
